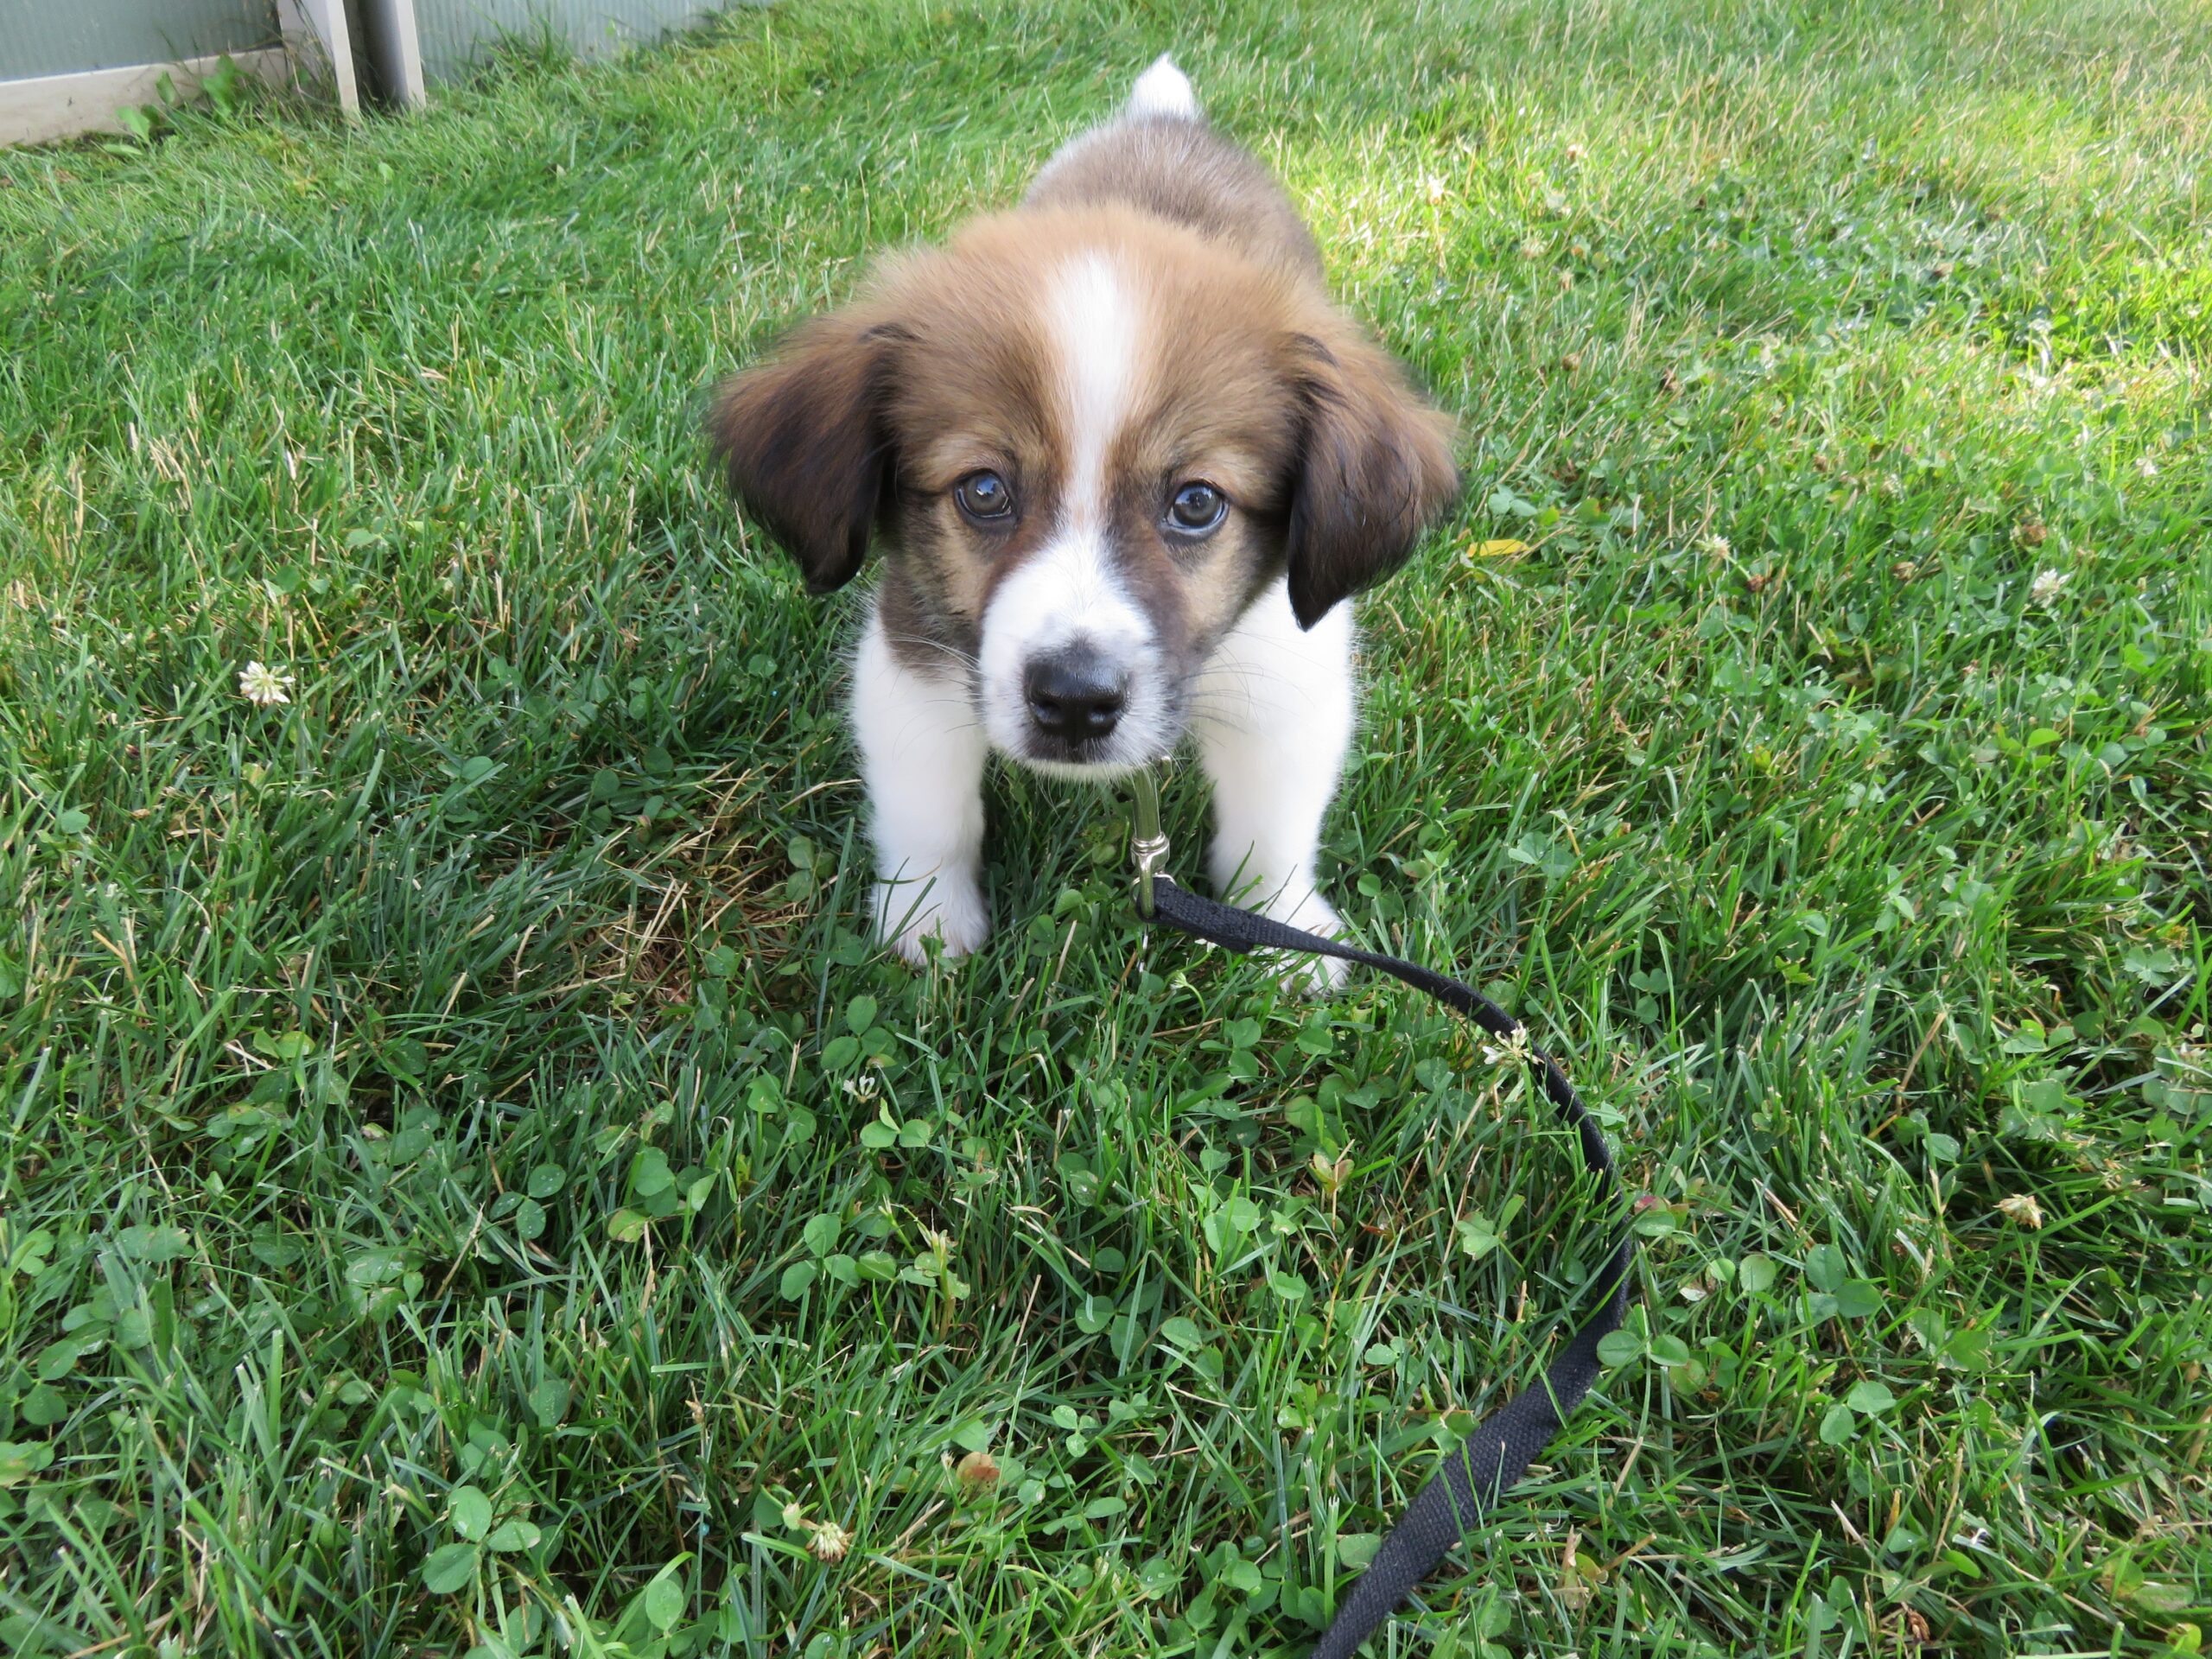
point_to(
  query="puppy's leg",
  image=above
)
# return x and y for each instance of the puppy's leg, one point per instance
(1273, 713)
(921, 754)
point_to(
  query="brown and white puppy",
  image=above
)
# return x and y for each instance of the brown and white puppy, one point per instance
(1125, 462)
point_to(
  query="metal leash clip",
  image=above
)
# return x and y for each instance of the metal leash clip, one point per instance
(1147, 845)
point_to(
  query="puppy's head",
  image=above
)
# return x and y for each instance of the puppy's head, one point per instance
(1086, 442)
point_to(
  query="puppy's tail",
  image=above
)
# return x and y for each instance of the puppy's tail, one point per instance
(1163, 93)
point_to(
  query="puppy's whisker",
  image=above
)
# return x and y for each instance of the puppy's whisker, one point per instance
(1279, 690)
(972, 723)
(965, 659)
(1237, 719)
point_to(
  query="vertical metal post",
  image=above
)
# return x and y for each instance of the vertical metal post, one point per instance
(1147, 846)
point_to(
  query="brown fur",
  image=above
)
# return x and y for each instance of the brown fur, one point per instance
(1184, 172)
(1375, 467)
(803, 443)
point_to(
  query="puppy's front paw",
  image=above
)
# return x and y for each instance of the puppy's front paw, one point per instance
(1310, 975)
(950, 908)
(1294, 902)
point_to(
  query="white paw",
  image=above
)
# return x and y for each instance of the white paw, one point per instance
(1310, 975)
(949, 908)
(1296, 905)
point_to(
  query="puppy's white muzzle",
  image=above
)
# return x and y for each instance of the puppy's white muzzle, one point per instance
(1073, 679)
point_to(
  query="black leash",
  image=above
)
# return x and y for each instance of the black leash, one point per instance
(1500, 1447)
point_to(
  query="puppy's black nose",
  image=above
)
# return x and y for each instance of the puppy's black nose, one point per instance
(1075, 694)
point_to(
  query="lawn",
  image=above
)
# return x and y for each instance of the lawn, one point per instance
(472, 1185)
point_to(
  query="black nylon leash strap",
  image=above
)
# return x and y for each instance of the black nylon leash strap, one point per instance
(1493, 1457)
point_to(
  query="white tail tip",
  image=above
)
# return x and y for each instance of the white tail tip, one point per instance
(1163, 90)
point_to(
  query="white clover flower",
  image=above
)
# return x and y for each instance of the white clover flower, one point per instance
(1514, 1048)
(2022, 1209)
(2044, 588)
(2146, 466)
(264, 686)
(1715, 547)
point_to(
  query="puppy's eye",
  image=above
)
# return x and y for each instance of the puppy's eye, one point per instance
(1196, 508)
(984, 496)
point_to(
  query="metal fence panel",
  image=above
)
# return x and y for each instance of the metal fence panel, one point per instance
(457, 33)
(61, 37)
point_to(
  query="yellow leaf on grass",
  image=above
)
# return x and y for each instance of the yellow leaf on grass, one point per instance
(1504, 548)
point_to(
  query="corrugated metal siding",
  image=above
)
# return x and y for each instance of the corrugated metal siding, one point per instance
(61, 37)
(457, 33)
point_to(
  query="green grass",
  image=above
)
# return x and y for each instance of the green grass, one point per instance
(444, 1206)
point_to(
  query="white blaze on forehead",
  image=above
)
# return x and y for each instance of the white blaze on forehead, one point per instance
(1069, 592)
(1094, 341)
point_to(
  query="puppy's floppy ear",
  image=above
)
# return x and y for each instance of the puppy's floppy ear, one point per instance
(1375, 469)
(806, 444)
